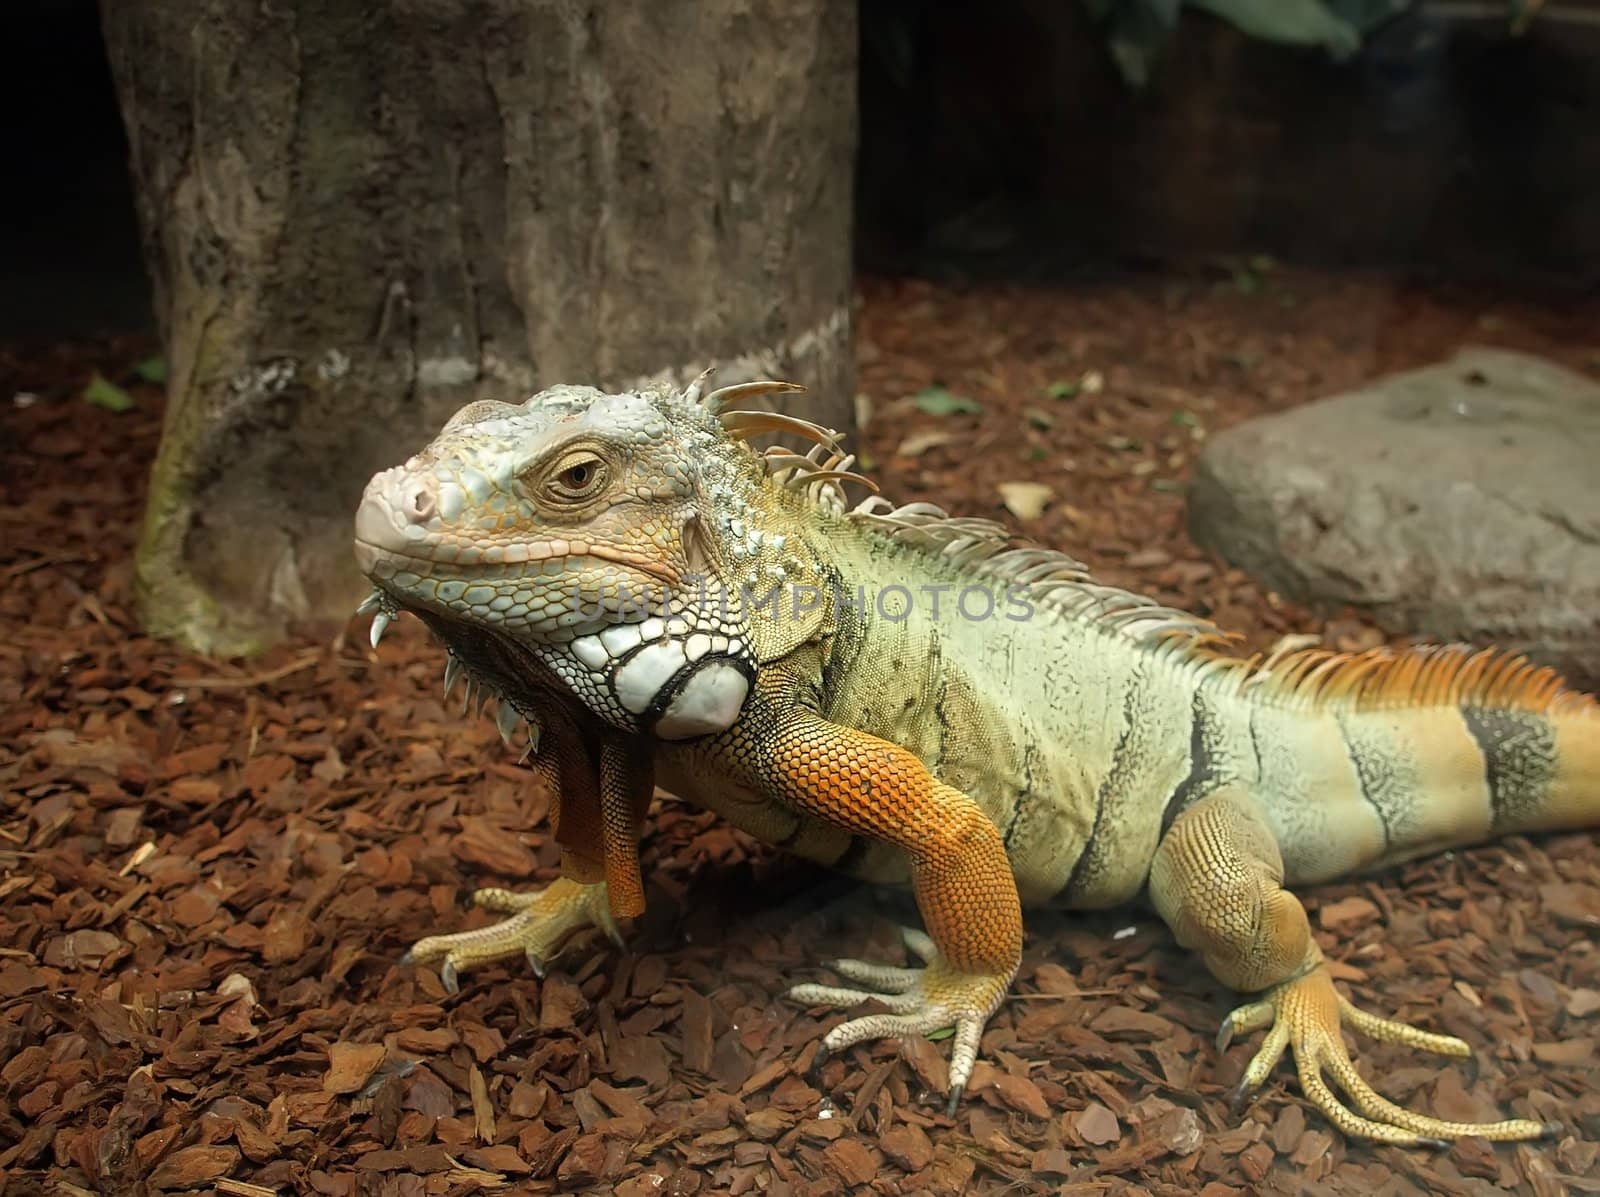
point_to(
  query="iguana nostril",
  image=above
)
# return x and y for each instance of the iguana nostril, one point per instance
(419, 505)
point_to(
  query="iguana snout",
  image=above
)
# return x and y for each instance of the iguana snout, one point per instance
(394, 515)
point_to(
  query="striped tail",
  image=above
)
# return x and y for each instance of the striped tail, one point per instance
(1507, 746)
(1419, 750)
(1542, 769)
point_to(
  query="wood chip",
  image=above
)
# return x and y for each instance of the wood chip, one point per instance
(209, 871)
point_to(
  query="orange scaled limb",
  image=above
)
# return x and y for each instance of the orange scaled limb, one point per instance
(960, 874)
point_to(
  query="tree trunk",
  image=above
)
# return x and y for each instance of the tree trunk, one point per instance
(359, 216)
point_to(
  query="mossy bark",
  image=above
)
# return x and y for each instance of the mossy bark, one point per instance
(360, 216)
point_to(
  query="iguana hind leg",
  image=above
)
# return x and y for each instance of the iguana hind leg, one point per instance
(1217, 880)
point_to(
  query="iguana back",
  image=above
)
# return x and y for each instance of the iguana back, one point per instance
(1084, 719)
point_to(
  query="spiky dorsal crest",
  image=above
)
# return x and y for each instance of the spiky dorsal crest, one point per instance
(983, 546)
(820, 473)
(1455, 675)
(1048, 577)
(720, 398)
(1298, 677)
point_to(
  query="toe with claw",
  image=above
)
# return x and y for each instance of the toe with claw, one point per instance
(934, 997)
(1306, 1014)
(541, 924)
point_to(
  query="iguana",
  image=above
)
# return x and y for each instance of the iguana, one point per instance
(912, 697)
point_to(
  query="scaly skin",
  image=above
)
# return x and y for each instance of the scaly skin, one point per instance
(916, 699)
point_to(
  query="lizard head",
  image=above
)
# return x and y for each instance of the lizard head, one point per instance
(580, 541)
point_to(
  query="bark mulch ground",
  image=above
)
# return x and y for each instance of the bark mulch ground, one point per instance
(210, 868)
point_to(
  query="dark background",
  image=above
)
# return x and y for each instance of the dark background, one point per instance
(998, 140)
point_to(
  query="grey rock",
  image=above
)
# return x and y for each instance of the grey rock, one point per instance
(1458, 502)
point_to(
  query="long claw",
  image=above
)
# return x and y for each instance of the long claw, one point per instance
(921, 943)
(814, 1072)
(920, 1001)
(608, 925)
(539, 926)
(1254, 1017)
(954, 1103)
(380, 623)
(1241, 1095)
(1306, 1014)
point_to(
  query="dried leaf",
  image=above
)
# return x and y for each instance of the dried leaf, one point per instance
(1025, 500)
(919, 443)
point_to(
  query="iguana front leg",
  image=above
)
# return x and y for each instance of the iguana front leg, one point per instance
(960, 874)
(600, 794)
(1217, 880)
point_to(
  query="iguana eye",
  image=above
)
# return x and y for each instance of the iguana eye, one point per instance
(577, 477)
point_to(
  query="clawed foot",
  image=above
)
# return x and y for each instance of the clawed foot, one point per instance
(1306, 1014)
(541, 923)
(921, 1000)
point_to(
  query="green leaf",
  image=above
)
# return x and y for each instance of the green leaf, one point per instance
(1293, 22)
(1061, 389)
(1522, 13)
(937, 401)
(108, 395)
(1038, 417)
(1184, 418)
(152, 369)
(1367, 15)
(935, 1036)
